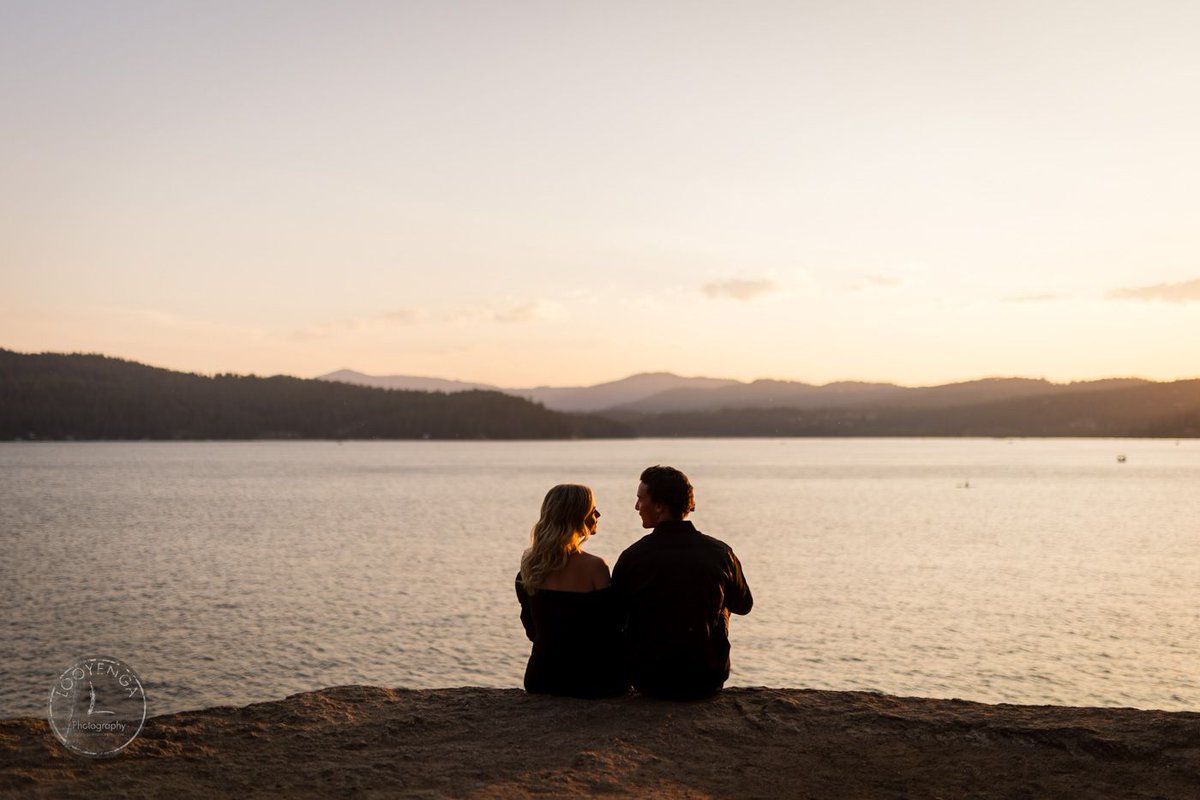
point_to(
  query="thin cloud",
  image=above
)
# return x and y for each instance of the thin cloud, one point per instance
(325, 330)
(515, 314)
(402, 316)
(523, 313)
(179, 322)
(875, 281)
(1031, 298)
(1186, 292)
(507, 314)
(739, 289)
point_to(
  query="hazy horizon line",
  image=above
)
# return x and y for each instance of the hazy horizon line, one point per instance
(634, 373)
(747, 382)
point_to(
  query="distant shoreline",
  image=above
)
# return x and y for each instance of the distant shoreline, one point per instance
(746, 742)
(95, 398)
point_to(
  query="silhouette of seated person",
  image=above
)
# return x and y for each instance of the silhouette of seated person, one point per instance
(567, 603)
(677, 587)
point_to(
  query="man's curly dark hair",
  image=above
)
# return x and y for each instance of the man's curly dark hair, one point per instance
(670, 487)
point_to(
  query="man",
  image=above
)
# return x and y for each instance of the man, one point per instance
(677, 588)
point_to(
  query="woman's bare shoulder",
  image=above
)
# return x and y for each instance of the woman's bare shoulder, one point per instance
(597, 570)
(589, 561)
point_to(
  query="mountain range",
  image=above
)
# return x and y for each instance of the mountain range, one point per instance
(663, 392)
(578, 399)
(76, 396)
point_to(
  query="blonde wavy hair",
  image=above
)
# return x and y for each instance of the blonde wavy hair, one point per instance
(558, 532)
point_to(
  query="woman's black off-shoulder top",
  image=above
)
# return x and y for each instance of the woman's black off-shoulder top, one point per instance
(577, 646)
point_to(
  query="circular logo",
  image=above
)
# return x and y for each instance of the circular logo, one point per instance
(98, 706)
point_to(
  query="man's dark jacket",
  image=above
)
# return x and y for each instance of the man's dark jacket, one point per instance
(676, 588)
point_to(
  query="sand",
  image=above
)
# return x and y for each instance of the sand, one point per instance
(363, 741)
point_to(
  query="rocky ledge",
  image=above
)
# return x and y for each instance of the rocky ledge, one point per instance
(747, 742)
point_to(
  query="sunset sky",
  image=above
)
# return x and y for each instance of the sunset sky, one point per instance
(566, 193)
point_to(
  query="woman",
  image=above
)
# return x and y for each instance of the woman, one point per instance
(567, 603)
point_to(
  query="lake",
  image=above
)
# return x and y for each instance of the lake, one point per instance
(1024, 571)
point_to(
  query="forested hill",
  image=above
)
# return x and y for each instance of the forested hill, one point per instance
(58, 396)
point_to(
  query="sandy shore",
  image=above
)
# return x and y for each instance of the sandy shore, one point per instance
(370, 742)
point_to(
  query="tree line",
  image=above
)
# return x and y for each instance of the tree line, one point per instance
(94, 397)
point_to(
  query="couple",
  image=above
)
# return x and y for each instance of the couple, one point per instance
(660, 622)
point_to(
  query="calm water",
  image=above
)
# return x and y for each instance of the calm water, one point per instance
(229, 573)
